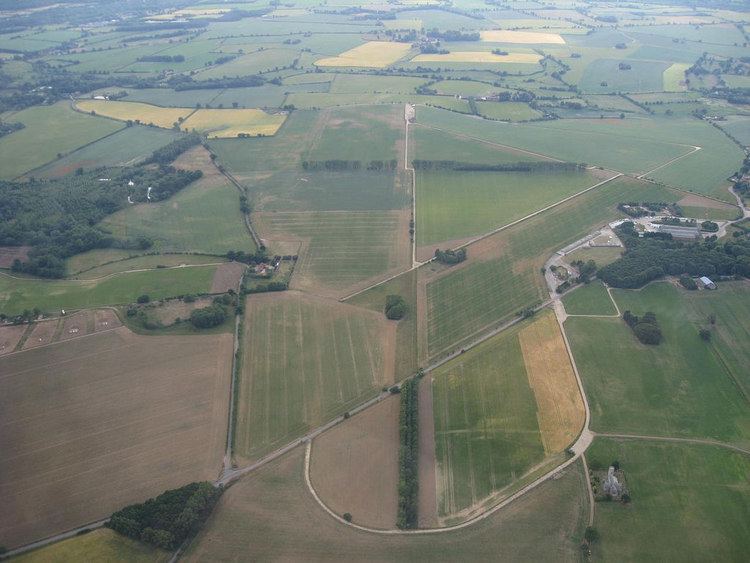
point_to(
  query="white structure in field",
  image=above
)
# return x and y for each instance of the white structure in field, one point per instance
(707, 283)
(611, 485)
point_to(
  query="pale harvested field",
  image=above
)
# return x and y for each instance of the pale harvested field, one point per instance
(227, 277)
(373, 54)
(427, 510)
(560, 409)
(106, 319)
(136, 111)
(478, 57)
(228, 123)
(354, 466)
(10, 336)
(93, 424)
(507, 36)
(77, 324)
(270, 515)
(694, 200)
(9, 253)
(306, 360)
(168, 312)
(43, 333)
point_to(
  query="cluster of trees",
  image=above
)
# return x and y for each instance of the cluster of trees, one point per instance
(7, 128)
(452, 35)
(688, 283)
(395, 307)
(408, 456)
(187, 83)
(336, 165)
(208, 317)
(585, 270)
(169, 519)
(432, 49)
(651, 257)
(709, 226)
(518, 96)
(645, 328)
(636, 210)
(256, 258)
(458, 166)
(162, 59)
(450, 256)
(170, 152)
(268, 287)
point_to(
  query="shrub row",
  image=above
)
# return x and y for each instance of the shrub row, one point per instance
(408, 458)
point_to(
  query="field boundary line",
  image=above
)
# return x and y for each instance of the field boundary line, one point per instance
(54, 539)
(113, 274)
(67, 339)
(695, 150)
(698, 441)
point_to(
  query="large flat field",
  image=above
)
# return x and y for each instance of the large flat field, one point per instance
(271, 515)
(99, 545)
(604, 76)
(17, 294)
(453, 205)
(341, 250)
(479, 57)
(121, 418)
(678, 388)
(135, 111)
(642, 145)
(203, 217)
(689, 503)
(305, 360)
(503, 275)
(49, 130)
(126, 147)
(500, 410)
(589, 299)
(354, 466)
(373, 54)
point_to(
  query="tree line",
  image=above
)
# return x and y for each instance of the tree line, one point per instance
(161, 59)
(408, 457)
(645, 328)
(655, 255)
(450, 256)
(459, 166)
(169, 519)
(168, 153)
(336, 165)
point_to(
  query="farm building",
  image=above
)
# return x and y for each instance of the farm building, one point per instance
(679, 231)
(707, 283)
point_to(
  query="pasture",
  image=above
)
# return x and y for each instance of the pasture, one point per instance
(689, 502)
(101, 545)
(678, 388)
(478, 57)
(504, 277)
(50, 131)
(373, 54)
(122, 418)
(264, 60)
(606, 75)
(674, 78)
(202, 217)
(507, 111)
(354, 466)
(305, 360)
(602, 255)
(454, 205)
(103, 262)
(589, 299)
(340, 250)
(17, 294)
(270, 514)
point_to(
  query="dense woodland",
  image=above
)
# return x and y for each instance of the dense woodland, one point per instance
(655, 255)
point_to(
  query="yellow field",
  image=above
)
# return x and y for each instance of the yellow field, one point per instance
(478, 57)
(674, 78)
(373, 54)
(135, 111)
(224, 123)
(559, 405)
(507, 36)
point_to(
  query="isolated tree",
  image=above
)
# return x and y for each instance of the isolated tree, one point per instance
(591, 534)
(705, 334)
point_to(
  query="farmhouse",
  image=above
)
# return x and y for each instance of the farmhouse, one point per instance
(707, 283)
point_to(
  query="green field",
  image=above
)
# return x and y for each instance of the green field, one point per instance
(49, 131)
(252, 63)
(51, 296)
(125, 148)
(589, 299)
(486, 429)
(604, 76)
(342, 249)
(366, 83)
(507, 111)
(99, 545)
(602, 255)
(304, 361)
(689, 503)
(481, 294)
(203, 217)
(453, 205)
(94, 260)
(678, 388)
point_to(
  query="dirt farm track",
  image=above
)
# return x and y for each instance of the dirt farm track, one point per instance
(95, 423)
